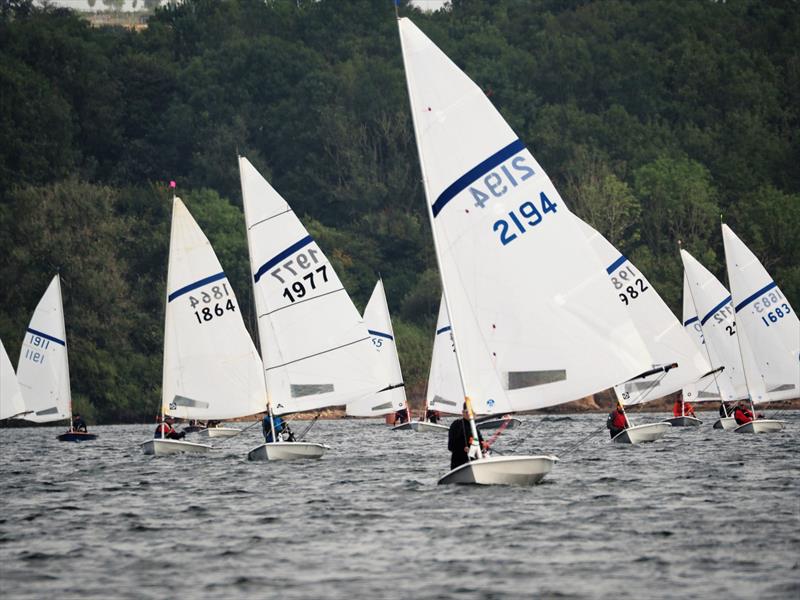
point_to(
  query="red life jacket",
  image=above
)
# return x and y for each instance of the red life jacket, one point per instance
(165, 429)
(742, 415)
(619, 421)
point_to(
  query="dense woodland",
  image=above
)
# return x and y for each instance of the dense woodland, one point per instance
(653, 118)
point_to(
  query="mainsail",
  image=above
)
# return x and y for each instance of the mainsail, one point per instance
(316, 349)
(43, 368)
(11, 402)
(535, 321)
(444, 391)
(707, 388)
(211, 367)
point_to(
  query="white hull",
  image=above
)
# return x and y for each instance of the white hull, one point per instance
(220, 432)
(497, 423)
(727, 423)
(761, 426)
(502, 470)
(683, 421)
(287, 451)
(403, 427)
(640, 434)
(427, 427)
(159, 447)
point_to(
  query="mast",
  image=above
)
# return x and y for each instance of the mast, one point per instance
(253, 289)
(467, 401)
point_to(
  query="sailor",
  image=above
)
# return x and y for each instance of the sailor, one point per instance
(282, 431)
(688, 409)
(166, 430)
(459, 439)
(401, 416)
(742, 414)
(78, 424)
(432, 416)
(617, 422)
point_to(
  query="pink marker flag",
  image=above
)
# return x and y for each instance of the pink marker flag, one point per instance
(172, 184)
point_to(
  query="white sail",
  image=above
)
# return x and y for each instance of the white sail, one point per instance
(211, 367)
(444, 387)
(316, 349)
(392, 396)
(535, 321)
(11, 402)
(715, 313)
(707, 388)
(43, 368)
(768, 327)
(661, 331)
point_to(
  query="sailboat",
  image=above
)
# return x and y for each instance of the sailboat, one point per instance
(43, 368)
(392, 397)
(444, 386)
(11, 403)
(676, 360)
(768, 332)
(707, 388)
(316, 349)
(715, 316)
(212, 370)
(533, 319)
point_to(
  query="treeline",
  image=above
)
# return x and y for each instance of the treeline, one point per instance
(652, 117)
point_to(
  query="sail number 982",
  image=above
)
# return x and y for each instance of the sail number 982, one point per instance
(526, 216)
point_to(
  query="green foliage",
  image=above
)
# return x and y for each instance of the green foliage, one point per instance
(652, 118)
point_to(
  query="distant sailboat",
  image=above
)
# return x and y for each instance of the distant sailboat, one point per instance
(314, 344)
(676, 360)
(212, 370)
(43, 369)
(768, 331)
(11, 403)
(534, 320)
(392, 397)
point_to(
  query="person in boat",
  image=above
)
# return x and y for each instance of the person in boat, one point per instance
(682, 409)
(78, 424)
(432, 416)
(166, 430)
(282, 431)
(459, 439)
(401, 416)
(743, 414)
(212, 424)
(617, 422)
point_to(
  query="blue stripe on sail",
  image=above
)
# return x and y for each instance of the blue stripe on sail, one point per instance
(715, 309)
(749, 299)
(690, 321)
(487, 165)
(615, 265)
(279, 257)
(47, 337)
(443, 329)
(193, 286)
(380, 334)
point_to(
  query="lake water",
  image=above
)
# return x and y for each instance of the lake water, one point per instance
(699, 514)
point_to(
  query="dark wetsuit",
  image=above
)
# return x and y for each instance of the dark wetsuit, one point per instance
(78, 424)
(457, 439)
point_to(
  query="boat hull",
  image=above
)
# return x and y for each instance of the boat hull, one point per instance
(427, 427)
(511, 423)
(163, 447)
(403, 427)
(287, 451)
(683, 421)
(642, 434)
(76, 436)
(502, 470)
(761, 426)
(727, 423)
(220, 432)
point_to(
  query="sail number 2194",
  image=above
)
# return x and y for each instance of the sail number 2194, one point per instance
(519, 221)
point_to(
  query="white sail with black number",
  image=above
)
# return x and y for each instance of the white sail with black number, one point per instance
(535, 321)
(768, 327)
(716, 317)
(661, 331)
(707, 388)
(11, 402)
(43, 367)
(316, 349)
(392, 396)
(211, 367)
(444, 387)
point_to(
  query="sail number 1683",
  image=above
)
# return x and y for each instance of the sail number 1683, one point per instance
(520, 220)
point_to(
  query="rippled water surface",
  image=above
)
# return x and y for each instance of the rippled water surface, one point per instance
(699, 514)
